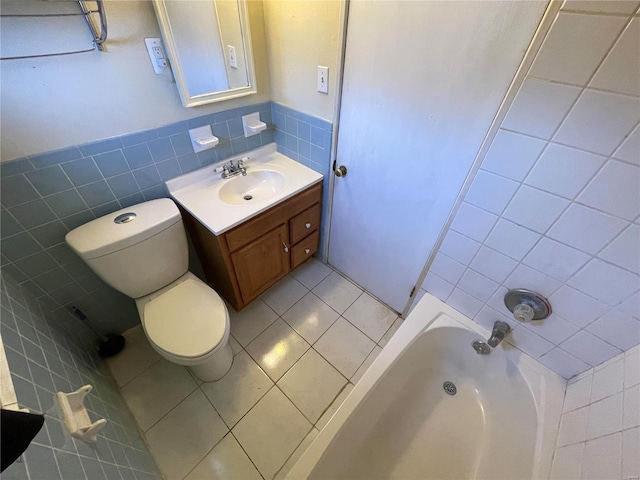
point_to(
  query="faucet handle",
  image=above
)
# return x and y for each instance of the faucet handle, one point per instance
(240, 163)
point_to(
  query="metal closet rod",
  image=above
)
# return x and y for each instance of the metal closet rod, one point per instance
(98, 39)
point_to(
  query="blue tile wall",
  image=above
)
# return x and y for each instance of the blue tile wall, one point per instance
(49, 353)
(306, 139)
(44, 196)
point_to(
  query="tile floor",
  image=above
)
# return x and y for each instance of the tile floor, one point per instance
(298, 351)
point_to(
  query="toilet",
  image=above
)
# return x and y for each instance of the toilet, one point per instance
(142, 251)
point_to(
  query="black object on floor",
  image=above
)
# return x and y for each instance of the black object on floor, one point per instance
(111, 345)
(17, 429)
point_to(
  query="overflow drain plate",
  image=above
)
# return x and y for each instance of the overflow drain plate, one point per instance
(449, 388)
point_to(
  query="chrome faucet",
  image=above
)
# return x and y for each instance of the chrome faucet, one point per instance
(500, 330)
(232, 170)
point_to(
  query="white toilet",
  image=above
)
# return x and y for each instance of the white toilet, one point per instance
(142, 251)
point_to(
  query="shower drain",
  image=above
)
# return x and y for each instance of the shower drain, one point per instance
(449, 388)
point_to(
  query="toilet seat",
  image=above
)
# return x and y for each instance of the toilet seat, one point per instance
(188, 320)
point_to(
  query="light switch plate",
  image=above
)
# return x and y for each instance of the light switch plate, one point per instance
(323, 79)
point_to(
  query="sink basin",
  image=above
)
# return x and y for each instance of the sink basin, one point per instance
(255, 186)
(220, 204)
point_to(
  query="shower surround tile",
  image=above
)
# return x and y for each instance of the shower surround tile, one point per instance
(569, 149)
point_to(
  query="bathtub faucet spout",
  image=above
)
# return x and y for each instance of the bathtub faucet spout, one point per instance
(500, 330)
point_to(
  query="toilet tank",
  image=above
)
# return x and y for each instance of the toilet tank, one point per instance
(137, 250)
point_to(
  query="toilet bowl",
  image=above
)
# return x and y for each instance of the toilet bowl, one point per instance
(200, 339)
(142, 251)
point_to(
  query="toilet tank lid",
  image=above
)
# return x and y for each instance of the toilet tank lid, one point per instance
(123, 228)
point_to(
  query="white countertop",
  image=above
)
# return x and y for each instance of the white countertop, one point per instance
(198, 191)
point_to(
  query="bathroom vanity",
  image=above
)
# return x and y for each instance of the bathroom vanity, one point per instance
(245, 246)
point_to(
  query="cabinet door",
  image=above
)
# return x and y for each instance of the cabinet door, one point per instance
(261, 263)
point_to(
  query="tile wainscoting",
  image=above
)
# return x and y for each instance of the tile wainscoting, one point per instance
(46, 195)
(43, 359)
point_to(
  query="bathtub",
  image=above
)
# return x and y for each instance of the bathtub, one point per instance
(399, 423)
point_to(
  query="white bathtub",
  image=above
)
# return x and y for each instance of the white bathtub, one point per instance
(399, 423)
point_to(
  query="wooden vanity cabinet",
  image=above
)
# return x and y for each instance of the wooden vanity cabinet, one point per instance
(243, 262)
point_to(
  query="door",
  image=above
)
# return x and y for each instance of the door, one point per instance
(261, 263)
(422, 83)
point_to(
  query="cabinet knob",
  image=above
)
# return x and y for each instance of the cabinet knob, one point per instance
(306, 250)
(308, 225)
(285, 247)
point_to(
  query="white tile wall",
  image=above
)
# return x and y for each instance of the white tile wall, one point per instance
(575, 47)
(614, 74)
(555, 206)
(599, 434)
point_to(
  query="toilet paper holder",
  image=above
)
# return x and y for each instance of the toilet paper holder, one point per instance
(76, 417)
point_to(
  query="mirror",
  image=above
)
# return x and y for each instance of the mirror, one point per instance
(208, 43)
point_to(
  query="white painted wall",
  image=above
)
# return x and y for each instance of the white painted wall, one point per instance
(51, 103)
(302, 35)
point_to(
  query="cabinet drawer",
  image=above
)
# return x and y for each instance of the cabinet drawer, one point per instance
(303, 224)
(303, 250)
(270, 219)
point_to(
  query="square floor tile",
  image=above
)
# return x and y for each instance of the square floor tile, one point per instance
(136, 357)
(326, 416)
(271, 432)
(311, 273)
(277, 349)
(235, 346)
(370, 316)
(239, 390)
(312, 384)
(251, 321)
(345, 347)
(310, 317)
(181, 440)
(227, 460)
(366, 364)
(392, 330)
(337, 292)
(156, 391)
(295, 456)
(284, 294)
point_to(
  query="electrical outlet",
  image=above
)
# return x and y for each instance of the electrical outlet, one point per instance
(233, 61)
(156, 54)
(323, 79)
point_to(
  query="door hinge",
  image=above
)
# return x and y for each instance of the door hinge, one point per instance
(413, 290)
